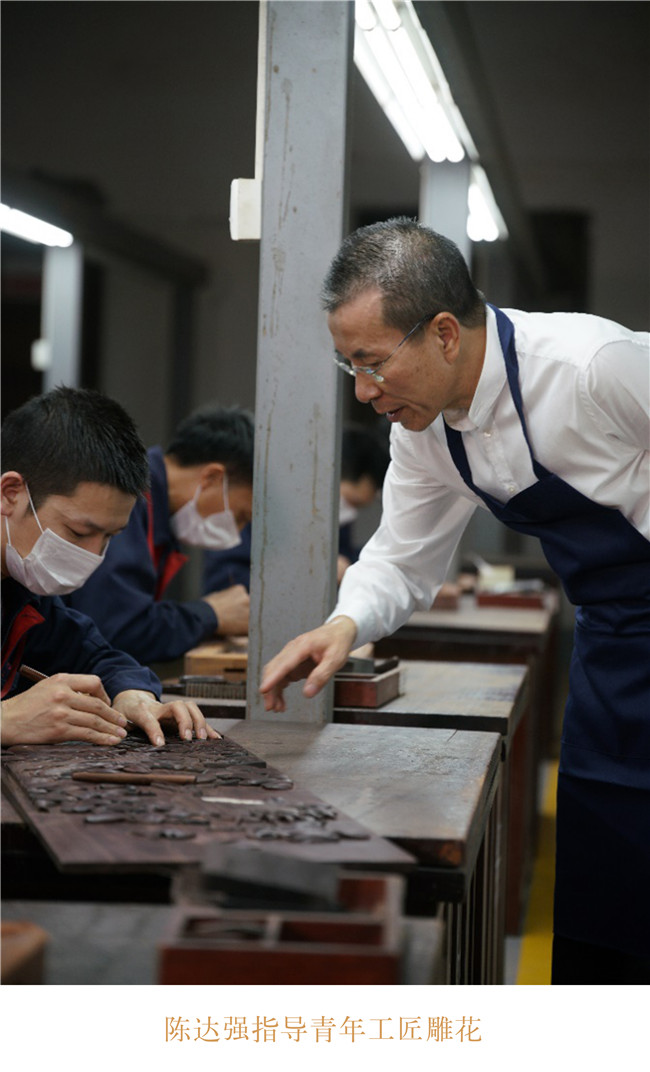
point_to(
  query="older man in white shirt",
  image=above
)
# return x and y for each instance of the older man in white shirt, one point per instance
(544, 420)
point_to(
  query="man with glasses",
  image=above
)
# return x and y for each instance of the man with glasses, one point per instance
(543, 420)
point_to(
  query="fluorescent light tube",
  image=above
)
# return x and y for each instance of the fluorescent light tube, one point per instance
(484, 222)
(480, 225)
(364, 15)
(15, 222)
(387, 14)
(400, 67)
(376, 81)
(404, 79)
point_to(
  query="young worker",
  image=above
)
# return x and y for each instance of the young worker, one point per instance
(200, 494)
(364, 461)
(73, 467)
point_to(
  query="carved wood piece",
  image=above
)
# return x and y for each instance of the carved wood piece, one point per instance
(227, 794)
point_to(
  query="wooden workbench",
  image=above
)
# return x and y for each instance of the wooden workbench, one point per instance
(432, 792)
(467, 696)
(514, 626)
(449, 695)
(498, 635)
(492, 698)
(477, 696)
(472, 633)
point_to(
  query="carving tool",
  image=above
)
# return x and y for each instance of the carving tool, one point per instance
(31, 674)
(124, 778)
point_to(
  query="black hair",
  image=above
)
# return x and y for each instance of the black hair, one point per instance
(71, 436)
(363, 453)
(419, 273)
(216, 434)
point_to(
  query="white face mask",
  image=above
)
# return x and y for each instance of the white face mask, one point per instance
(347, 513)
(54, 566)
(217, 532)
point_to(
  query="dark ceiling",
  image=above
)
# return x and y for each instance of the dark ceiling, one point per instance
(151, 106)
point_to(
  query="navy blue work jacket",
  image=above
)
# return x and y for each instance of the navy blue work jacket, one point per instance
(124, 595)
(222, 569)
(52, 638)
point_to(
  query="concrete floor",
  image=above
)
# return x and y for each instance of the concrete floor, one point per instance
(96, 944)
(101, 944)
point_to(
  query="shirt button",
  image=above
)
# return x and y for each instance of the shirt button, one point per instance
(512, 489)
(487, 434)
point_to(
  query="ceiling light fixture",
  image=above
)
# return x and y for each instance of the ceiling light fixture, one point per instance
(484, 221)
(399, 65)
(18, 223)
(397, 61)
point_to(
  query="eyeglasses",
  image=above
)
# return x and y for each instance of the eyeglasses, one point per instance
(373, 370)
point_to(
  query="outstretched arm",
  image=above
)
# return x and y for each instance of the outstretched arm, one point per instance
(316, 655)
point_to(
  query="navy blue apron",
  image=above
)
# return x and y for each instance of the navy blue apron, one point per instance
(602, 892)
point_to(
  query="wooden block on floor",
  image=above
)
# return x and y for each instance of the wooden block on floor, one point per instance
(358, 945)
(23, 950)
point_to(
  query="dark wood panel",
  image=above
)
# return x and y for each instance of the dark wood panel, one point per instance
(126, 828)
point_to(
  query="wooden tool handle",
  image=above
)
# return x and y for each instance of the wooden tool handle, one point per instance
(31, 674)
(124, 778)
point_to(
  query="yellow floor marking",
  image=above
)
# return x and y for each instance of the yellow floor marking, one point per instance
(537, 939)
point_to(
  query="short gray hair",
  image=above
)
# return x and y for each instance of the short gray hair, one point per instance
(418, 272)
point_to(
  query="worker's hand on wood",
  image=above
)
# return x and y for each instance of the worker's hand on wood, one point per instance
(316, 655)
(143, 709)
(64, 707)
(231, 606)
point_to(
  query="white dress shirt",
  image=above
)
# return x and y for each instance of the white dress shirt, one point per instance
(585, 385)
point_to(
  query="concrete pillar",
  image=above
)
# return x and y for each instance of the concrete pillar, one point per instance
(62, 288)
(443, 201)
(296, 481)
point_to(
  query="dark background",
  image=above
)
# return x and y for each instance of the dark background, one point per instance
(148, 110)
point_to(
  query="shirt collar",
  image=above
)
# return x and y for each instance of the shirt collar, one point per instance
(490, 384)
